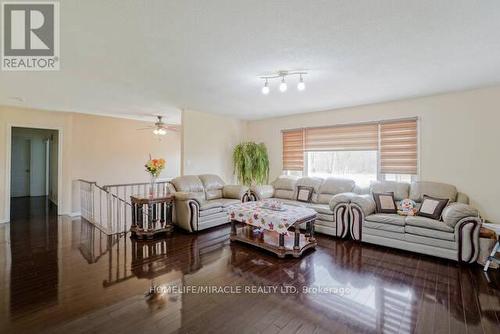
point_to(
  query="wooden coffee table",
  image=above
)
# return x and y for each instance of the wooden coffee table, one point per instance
(269, 229)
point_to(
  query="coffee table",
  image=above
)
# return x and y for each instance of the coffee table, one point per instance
(269, 229)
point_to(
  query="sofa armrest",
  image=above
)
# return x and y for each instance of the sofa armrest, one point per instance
(343, 198)
(455, 212)
(262, 191)
(467, 235)
(364, 202)
(186, 196)
(187, 213)
(234, 191)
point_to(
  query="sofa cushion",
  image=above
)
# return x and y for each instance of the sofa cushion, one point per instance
(386, 218)
(432, 207)
(440, 243)
(284, 194)
(400, 189)
(209, 212)
(384, 226)
(455, 212)
(325, 217)
(333, 186)
(314, 182)
(225, 202)
(428, 223)
(188, 183)
(381, 233)
(431, 233)
(321, 208)
(213, 185)
(285, 183)
(433, 189)
(210, 204)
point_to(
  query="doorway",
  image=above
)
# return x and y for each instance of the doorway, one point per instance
(34, 163)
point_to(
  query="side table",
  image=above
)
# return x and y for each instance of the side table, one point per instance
(494, 229)
(151, 215)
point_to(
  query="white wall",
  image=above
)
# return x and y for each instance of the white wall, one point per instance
(103, 149)
(459, 138)
(207, 143)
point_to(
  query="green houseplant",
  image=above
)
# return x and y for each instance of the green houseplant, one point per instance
(251, 163)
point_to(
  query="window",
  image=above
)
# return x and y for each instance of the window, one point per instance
(360, 166)
(365, 152)
(408, 178)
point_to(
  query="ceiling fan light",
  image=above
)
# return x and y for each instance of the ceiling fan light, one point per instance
(162, 132)
(156, 131)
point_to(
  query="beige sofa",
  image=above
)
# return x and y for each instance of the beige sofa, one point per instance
(347, 211)
(201, 201)
(455, 236)
(328, 200)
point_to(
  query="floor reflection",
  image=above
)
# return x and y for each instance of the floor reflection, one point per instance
(64, 276)
(33, 245)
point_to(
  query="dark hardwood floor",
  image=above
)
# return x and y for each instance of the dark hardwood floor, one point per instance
(64, 276)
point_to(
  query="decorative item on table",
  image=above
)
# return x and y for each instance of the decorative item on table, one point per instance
(154, 168)
(273, 204)
(407, 207)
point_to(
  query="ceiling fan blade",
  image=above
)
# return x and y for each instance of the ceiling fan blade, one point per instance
(172, 128)
(148, 128)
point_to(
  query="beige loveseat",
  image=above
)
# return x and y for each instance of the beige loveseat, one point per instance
(327, 200)
(455, 236)
(201, 201)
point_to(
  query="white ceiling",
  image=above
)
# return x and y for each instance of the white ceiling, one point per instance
(157, 57)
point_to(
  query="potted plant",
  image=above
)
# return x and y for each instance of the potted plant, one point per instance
(251, 163)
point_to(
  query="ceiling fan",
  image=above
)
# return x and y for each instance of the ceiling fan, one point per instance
(160, 128)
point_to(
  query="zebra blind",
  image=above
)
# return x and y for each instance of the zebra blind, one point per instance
(293, 150)
(356, 137)
(398, 147)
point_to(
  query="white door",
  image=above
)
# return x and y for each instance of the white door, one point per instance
(20, 167)
(37, 167)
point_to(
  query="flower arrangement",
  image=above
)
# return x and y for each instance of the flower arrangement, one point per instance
(155, 166)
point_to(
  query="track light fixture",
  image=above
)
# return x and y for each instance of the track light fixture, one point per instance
(283, 85)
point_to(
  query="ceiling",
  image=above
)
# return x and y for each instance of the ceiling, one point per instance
(131, 58)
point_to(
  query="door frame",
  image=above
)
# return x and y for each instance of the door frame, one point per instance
(8, 151)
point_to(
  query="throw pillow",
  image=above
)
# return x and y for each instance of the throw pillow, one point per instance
(432, 207)
(384, 202)
(304, 194)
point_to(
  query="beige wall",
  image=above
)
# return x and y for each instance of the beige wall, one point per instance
(207, 143)
(459, 135)
(103, 149)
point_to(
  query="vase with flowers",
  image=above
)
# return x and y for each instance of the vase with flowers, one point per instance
(154, 168)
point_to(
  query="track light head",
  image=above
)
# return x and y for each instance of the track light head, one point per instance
(301, 85)
(283, 86)
(265, 89)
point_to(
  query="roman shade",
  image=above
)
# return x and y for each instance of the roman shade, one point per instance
(356, 137)
(293, 150)
(398, 147)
